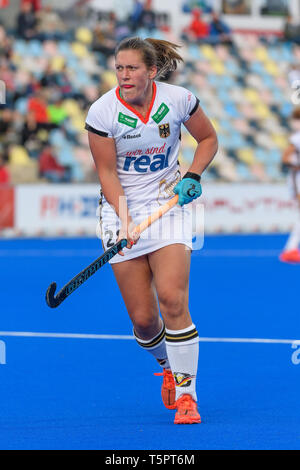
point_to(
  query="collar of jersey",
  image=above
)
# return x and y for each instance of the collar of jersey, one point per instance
(134, 111)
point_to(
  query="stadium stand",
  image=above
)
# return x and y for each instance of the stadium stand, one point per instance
(243, 84)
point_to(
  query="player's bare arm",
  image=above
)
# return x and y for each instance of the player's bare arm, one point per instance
(287, 157)
(200, 127)
(288, 152)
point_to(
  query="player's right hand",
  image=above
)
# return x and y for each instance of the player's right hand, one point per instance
(131, 234)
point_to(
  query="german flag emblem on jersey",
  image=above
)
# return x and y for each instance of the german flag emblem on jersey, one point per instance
(164, 130)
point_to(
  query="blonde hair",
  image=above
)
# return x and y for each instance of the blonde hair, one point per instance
(162, 54)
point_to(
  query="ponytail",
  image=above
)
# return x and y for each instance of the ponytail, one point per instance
(167, 57)
(157, 52)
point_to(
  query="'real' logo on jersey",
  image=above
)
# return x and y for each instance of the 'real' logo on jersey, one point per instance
(148, 162)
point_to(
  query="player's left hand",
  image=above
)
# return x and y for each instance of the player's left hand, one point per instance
(188, 188)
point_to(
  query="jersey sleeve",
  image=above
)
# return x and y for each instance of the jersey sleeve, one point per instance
(98, 121)
(188, 104)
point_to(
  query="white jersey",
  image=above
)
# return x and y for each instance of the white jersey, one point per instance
(147, 148)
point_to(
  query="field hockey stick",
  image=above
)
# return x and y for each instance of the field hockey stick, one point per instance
(55, 300)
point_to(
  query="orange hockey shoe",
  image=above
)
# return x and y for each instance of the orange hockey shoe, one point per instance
(290, 256)
(187, 411)
(168, 389)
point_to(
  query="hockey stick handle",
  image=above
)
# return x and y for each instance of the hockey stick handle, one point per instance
(157, 214)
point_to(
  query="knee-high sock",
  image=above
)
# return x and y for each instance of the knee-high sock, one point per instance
(156, 346)
(183, 352)
(294, 238)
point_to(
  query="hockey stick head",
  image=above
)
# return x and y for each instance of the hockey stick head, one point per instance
(55, 300)
(51, 300)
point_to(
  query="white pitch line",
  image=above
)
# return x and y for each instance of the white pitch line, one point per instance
(31, 334)
(56, 253)
(250, 340)
(237, 253)
(96, 253)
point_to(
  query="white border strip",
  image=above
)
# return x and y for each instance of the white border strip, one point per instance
(31, 334)
(246, 253)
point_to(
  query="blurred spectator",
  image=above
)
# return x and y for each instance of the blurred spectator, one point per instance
(123, 9)
(9, 132)
(36, 5)
(291, 30)
(5, 123)
(104, 37)
(4, 3)
(5, 44)
(27, 22)
(63, 82)
(8, 77)
(122, 31)
(32, 136)
(38, 105)
(49, 167)
(197, 30)
(30, 128)
(148, 19)
(56, 110)
(4, 173)
(219, 32)
(57, 79)
(82, 3)
(48, 78)
(50, 26)
(136, 15)
(27, 84)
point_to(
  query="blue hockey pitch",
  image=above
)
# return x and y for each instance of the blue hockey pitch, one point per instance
(73, 377)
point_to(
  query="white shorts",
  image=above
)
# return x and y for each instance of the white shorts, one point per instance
(173, 227)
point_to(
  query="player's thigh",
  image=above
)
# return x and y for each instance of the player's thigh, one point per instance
(135, 281)
(171, 269)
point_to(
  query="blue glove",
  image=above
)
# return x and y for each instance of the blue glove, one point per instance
(188, 188)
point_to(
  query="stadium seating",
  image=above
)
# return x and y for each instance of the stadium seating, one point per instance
(243, 89)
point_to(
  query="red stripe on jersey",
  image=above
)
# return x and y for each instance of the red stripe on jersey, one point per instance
(134, 111)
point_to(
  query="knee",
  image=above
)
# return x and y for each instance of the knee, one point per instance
(173, 303)
(144, 325)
